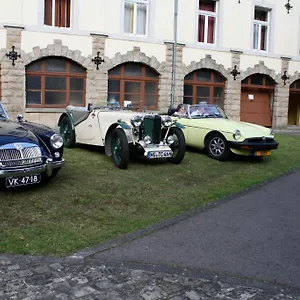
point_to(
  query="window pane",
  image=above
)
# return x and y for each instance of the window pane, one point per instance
(135, 99)
(113, 86)
(77, 84)
(261, 15)
(55, 64)
(211, 30)
(255, 36)
(203, 75)
(141, 19)
(55, 83)
(189, 76)
(150, 73)
(218, 96)
(151, 88)
(202, 91)
(112, 96)
(150, 100)
(132, 69)
(188, 90)
(132, 87)
(269, 82)
(115, 71)
(263, 37)
(74, 68)
(34, 66)
(218, 78)
(201, 27)
(128, 18)
(76, 98)
(207, 6)
(188, 100)
(33, 97)
(256, 79)
(52, 98)
(33, 82)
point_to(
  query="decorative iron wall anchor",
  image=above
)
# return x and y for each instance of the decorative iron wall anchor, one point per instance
(235, 72)
(288, 6)
(13, 55)
(98, 60)
(285, 77)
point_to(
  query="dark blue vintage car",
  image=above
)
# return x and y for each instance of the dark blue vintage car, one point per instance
(28, 152)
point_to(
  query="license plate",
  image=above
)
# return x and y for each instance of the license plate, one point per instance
(262, 153)
(159, 154)
(24, 180)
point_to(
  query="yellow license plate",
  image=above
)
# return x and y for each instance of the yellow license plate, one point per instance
(262, 153)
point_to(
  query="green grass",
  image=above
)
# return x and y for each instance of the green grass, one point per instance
(91, 201)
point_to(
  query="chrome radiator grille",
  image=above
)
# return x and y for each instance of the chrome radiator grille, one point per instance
(15, 157)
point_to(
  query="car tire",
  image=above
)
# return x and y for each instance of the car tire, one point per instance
(119, 148)
(217, 147)
(178, 147)
(66, 131)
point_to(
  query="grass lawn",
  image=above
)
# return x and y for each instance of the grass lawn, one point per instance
(91, 201)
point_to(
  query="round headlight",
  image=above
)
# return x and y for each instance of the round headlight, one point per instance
(136, 121)
(272, 132)
(56, 141)
(170, 139)
(236, 134)
(167, 121)
(147, 139)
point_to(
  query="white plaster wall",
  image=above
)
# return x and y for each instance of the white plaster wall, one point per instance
(113, 46)
(163, 19)
(11, 11)
(73, 42)
(102, 15)
(249, 61)
(2, 38)
(30, 12)
(195, 54)
(294, 66)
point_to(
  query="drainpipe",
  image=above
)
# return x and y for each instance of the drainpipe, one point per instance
(174, 52)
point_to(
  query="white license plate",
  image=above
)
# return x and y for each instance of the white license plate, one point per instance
(159, 154)
(23, 180)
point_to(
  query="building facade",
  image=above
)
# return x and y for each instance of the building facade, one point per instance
(243, 55)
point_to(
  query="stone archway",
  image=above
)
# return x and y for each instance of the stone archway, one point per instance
(294, 103)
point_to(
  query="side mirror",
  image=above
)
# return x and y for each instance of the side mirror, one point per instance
(20, 118)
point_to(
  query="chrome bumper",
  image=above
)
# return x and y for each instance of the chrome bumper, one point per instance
(46, 168)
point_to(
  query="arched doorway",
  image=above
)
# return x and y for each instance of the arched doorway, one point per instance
(204, 85)
(294, 104)
(257, 99)
(135, 84)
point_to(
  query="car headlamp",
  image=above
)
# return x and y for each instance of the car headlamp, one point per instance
(56, 141)
(167, 121)
(272, 133)
(170, 140)
(147, 139)
(136, 121)
(237, 134)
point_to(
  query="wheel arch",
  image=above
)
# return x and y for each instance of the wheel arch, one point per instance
(210, 134)
(66, 114)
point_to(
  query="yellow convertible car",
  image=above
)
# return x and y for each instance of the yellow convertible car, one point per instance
(207, 127)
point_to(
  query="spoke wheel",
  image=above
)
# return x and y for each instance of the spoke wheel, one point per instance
(119, 148)
(217, 147)
(66, 131)
(178, 147)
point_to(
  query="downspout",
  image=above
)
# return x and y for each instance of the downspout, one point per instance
(174, 53)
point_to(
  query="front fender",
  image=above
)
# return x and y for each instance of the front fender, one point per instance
(66, 114)
(179, 125)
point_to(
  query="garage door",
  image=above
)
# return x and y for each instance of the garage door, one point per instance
(255, 107)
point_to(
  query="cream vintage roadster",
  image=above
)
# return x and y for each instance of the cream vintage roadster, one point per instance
(121, 130)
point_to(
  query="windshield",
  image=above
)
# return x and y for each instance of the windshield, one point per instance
(3, 113)
(200, 111)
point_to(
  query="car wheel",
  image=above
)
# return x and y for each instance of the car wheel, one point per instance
(217, 147)
(48, 178)
(66, 131)
(119, 148)
(178, 147)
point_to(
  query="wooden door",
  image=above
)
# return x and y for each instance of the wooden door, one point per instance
(255, 107)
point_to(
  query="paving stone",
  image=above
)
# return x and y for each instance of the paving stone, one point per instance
(13, 268)
(41, 269)
(56, 266)
(192, 295)
(83, 291)
(24, 273)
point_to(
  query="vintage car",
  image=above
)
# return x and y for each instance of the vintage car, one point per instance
(28, 151)
(121, 131)
(207, 127)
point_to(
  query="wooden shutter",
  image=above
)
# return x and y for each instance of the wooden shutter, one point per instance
(62, 13)
(48, 12)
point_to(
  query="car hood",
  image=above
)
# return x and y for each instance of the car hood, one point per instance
(11, 132)
(226, 125)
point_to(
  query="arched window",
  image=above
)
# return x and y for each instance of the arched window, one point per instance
(135, 84)
(260, 81)
(295, 86)
(55, 82)
(204, 85)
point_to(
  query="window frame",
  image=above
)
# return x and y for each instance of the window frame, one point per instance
(135, 4)
(260, 23)
(43, 74)
(206, 15)
(122, 78)
(54, 15)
